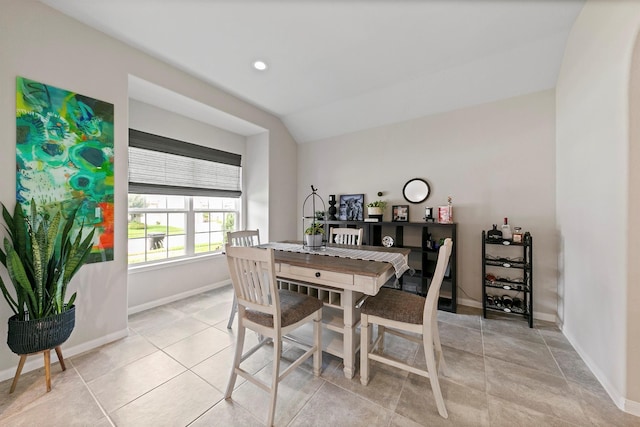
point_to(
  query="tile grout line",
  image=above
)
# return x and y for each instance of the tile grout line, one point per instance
(307, 401)
(484, 363)
(579, 401)
(104, 412)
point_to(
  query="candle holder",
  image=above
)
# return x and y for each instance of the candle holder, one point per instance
(332, 207)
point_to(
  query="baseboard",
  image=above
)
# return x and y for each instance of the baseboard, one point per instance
(619, 400)
(536, 315)
(176, 297)
(36, 361)
(469, 303)
(632, 407)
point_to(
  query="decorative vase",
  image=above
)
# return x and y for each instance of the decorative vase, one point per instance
(313, 240)
(33, 336)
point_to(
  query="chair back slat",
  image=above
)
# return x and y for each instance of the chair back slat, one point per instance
(346, 236)
(244, 238)
(253, 276)
(433, 294)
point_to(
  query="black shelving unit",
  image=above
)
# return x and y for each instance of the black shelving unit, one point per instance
(507, 276)
(423, 257)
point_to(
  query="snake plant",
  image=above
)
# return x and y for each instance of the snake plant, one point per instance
(41, 256)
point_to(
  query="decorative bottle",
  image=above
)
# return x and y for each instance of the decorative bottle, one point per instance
(495, 234)
(506, 230)
(517, 234)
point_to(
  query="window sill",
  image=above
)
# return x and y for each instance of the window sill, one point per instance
(170, 263)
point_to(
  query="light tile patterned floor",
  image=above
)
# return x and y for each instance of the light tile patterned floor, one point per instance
(173, 368)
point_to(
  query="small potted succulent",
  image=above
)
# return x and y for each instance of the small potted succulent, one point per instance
(376, 209)
(313, 234)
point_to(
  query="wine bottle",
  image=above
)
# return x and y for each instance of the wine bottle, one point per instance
(506, 230)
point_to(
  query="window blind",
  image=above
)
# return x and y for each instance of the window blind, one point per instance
(160, 165)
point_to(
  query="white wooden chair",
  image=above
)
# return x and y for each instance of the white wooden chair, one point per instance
(346, 236)
(241, 238)
(397, 312)
(270, 312)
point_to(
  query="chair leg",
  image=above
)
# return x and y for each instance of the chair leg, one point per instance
(317, 335)
(236, 360)
(433, 374)
(365, 345)
(234, 310)
(381, 330)
(440, 363)
(277, 350)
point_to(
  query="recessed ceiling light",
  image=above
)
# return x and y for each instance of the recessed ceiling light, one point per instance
(260, 65)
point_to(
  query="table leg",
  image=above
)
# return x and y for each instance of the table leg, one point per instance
(350, 322)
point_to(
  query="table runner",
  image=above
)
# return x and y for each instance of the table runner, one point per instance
(397, 260)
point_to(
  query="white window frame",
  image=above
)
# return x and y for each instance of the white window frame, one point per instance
(190, 230)
(163, 166)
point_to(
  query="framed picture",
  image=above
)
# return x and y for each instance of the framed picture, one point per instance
(351, 207)
(401, 213)
(445, 214)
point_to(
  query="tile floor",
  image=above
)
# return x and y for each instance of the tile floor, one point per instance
(172, 371)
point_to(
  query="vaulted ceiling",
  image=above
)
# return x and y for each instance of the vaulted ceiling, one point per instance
(340, 66)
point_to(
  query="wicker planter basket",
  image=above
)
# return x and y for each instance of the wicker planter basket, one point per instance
(32, 336)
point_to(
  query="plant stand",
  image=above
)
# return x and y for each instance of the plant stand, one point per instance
(47, 367)
(29, 337)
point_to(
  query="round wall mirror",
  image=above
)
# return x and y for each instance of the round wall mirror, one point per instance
(416, 190)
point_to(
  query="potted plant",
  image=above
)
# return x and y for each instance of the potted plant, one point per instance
(313, 234)
(41, 254)
(376, 209)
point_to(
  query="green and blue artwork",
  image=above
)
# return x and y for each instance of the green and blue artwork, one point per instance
(64, 155)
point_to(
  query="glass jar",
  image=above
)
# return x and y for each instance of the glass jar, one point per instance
(517, 235)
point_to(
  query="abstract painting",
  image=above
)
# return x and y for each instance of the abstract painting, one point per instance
(64, 155)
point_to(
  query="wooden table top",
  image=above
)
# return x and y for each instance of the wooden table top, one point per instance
(338, 264)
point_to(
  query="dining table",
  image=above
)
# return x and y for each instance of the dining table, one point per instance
(341, 276)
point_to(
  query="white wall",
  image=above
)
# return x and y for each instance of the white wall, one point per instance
(42, 44)
(633, 289)
(592, 100)
(496, 160)
(257, 185)
(151, 285)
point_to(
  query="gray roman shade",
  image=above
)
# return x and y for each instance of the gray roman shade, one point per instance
(160, 165)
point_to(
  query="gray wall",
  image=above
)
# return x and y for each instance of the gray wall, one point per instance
(599, 281)
(42, 44)
(149, 286)
(496, 160)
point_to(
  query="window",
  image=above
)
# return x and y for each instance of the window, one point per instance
(183, 198)
(159, 225)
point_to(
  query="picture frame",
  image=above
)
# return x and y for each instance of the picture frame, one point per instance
(400, 213)
(351, 207)
(445, 214)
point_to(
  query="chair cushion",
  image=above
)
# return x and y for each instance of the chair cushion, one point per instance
(293, 308)
(396, 305)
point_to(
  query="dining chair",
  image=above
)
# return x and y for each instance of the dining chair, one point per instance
(398, 313)
(345, 236)
(241, 238)
(271, 313)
